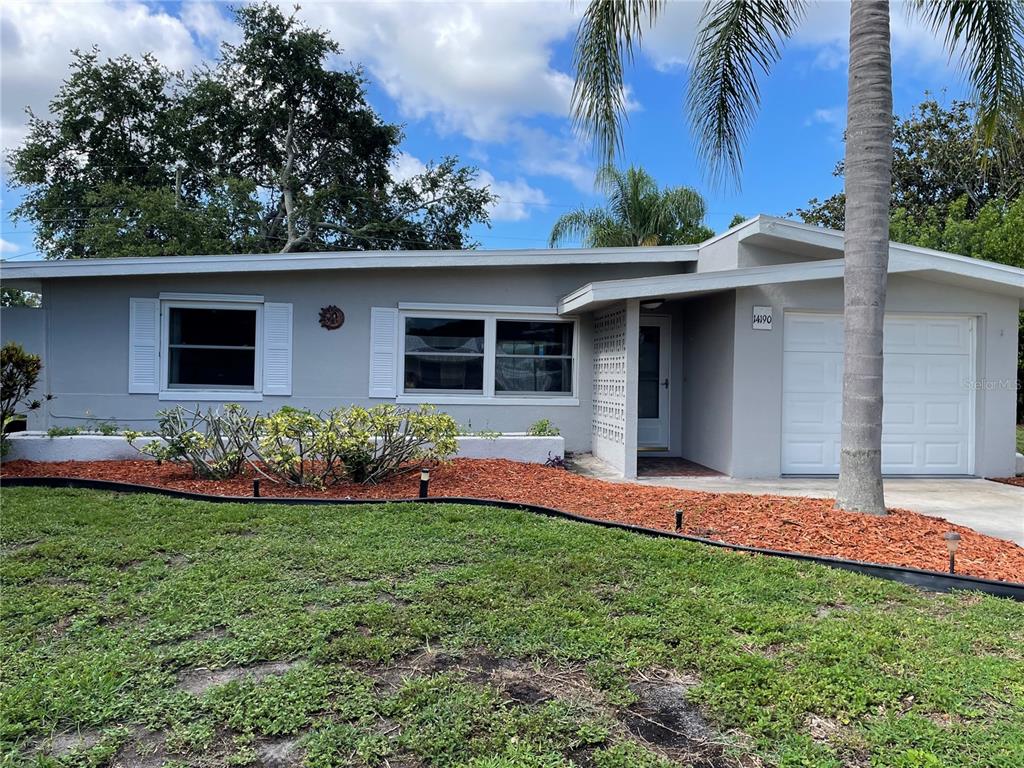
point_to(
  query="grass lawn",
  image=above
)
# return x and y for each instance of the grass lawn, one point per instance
(138, 630)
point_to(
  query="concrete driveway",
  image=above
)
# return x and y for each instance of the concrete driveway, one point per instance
(993, 508)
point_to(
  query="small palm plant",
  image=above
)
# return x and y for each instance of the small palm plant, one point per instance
(737, 40)
(637, 212)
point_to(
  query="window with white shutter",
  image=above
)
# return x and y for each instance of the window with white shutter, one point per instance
(383, 352)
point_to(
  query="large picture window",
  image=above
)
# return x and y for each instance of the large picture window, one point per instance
(533, 356)
(444, 355)
(211, 347)
(482, 354)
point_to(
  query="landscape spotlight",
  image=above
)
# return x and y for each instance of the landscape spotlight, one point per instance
(952, 543)
(424, 481)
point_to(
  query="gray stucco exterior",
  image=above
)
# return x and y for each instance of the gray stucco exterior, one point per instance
(725, 378)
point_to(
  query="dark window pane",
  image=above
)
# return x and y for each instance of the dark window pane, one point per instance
(441, 372)
(440, 335)
(516, 337)
(211, 367)
(532, 374)
(650, 351)
(213, 327)
(649, 397)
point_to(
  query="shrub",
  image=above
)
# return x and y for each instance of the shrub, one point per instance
(543, 428)
(359, 444)
(216, 444)
(300, 447)
(63, 431)
(385, 440)
(19, 373)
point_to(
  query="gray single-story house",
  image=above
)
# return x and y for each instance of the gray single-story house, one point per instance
(727, 353)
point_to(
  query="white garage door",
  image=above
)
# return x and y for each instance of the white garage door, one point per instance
(927, 418)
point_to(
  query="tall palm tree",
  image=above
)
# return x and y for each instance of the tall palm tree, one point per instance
(637, 212)
(739, 38)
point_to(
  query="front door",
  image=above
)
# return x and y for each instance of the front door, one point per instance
(653, 390)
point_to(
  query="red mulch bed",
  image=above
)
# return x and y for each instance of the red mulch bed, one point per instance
(1018, 480)
(795, 524)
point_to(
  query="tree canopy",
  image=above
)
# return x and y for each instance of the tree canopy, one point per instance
(940, 156)
(268, 149)
(637, 212)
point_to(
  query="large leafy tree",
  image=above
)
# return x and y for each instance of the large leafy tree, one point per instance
(737, 40)
(940, 156)
(636, 212)
(269, 149)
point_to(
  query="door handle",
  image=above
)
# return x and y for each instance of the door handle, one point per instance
(665, 383)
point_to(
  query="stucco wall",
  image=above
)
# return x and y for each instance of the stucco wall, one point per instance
(706, 435)
(757, 395)
(27, 327)
(88, 336)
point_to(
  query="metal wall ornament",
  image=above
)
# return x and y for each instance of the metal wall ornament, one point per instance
(331, 317)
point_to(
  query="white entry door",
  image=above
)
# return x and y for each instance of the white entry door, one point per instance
(653, 386)
(927, 418)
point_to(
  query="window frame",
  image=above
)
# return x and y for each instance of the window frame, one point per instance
(226, 394)
(489, 395)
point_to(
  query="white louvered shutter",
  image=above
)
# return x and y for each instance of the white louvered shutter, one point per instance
(277, 349)
(144, 346)
(383, 352)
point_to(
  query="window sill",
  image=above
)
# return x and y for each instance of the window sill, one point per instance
(220, 395)
(484, 400)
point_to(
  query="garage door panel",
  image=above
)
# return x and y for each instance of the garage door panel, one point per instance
(926, 417)
(814, 333)
(814, 372)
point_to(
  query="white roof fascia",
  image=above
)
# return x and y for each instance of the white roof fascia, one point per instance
(277, 262)
(594, 295)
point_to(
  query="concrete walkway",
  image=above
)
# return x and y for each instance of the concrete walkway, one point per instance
(993, 508)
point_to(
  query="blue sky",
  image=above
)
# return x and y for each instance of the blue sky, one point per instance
(490, 82)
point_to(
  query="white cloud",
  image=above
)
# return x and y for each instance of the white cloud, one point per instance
(37, 38)
(515, 197)
(6, 246)
(473, 68)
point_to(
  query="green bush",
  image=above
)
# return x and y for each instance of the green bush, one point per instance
(19, 373)
(63, 431)
(216, 444)
(543, 428)
(358, 444)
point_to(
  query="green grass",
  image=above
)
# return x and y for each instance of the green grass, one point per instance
(111, 604)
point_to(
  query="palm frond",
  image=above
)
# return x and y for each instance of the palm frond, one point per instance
(735, 37)
(989, 34)
(607, 34)
(575, 226)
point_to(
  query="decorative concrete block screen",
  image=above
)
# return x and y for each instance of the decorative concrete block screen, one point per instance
(610, 373)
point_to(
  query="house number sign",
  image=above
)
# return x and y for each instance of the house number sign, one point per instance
(762, 320)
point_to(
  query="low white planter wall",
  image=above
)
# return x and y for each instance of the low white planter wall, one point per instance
(526, 448)
(37, 446)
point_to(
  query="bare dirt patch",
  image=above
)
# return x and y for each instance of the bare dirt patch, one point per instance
(199, 680)
(63, 744)
(279, 753)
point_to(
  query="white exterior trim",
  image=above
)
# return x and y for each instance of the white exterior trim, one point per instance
(205, 297)
(33, 271)
(501, 308)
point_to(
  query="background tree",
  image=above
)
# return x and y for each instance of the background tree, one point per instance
(940, 155)
(266, 150)
(637, 212)
(735, 39)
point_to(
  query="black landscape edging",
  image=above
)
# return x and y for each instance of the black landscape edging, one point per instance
(931, 580)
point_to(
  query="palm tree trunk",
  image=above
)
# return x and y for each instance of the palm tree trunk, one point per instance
(868, 189)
